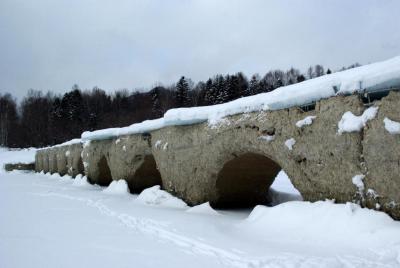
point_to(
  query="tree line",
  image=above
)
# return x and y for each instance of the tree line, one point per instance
(43, 119)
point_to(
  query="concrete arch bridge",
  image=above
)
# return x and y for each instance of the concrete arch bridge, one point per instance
(234, 162)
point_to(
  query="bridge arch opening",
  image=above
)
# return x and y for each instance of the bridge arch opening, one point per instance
(104, 176)
(244, 181)
(147, 175)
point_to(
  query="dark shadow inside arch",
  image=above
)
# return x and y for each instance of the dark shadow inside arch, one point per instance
(62, 166)
(53, 164)
(244, 181)
(45, 164)
(147, 175)
(77, 167)
(80, 167)
(104, 177)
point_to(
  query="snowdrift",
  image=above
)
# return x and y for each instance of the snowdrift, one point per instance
(324, 221)
(154, 196)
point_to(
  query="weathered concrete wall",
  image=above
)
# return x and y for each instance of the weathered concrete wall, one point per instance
(239, 157)
(53, 160)
(127, 157)
(96, 157)
(45, 160)
(61, 157)
(321, 163)
(381, 159)
(62, 160)
(74, 159)
(38, 161)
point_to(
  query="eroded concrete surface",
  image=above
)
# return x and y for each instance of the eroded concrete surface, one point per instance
(235, 161)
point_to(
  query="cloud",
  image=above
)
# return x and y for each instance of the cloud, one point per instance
(51, 45)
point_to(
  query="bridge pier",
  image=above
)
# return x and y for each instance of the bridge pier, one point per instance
(62, 168)
(74, 159)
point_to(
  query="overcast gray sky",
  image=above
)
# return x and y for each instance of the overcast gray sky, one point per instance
(114, 44)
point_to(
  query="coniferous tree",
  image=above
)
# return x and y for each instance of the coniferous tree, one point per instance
(181, 95)
(254, 86)
(209, 96)
(8, 120)
(73, 113)
(157, 111)
(198, 94)
(220, 89)
(227, 89)
(301, 78)
(243, 84)
(97, 106)
(35, 111)
(56, 123)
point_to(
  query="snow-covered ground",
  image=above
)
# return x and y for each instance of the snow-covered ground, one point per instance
(13, 156)
(53, 221)
(9, 155)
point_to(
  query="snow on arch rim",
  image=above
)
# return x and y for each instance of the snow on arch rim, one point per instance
(391, 126)
(369, 77)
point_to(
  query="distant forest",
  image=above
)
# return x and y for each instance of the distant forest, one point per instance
(43, 119)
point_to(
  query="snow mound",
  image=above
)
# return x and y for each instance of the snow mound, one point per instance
(366, 78)
(204, 208)
(358, 181)
(290, 143)
(391, 126)
(81, 181)
(277, 197)
(306, 121)
(156, 197)
(55, 175)
(353, 123)
(119, 187)
(323, 221)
